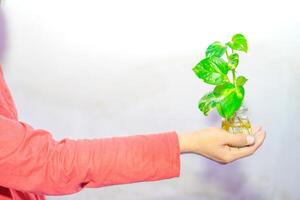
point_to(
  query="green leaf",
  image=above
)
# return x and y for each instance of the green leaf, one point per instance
(215, 49)
(233, 60)
(229, 99)
(241, 80)
(212, 70)
(207, 102)
(238, 42)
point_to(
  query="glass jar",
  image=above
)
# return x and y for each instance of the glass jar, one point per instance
(239, 123)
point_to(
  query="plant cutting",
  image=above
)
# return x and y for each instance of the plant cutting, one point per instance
(219, 68)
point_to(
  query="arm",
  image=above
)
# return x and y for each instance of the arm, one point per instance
(31, 160)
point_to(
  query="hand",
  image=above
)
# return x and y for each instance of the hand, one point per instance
(220, 145)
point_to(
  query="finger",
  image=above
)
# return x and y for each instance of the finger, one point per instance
(247, 151)
(256, 129)
(239, 140)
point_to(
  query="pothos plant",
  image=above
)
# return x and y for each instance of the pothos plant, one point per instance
(221, 59)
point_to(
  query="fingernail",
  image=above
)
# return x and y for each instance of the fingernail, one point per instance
(250, 139)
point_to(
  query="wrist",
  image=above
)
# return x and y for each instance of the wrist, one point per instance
(185, 142)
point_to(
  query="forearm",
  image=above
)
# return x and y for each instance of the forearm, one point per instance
(31, 160)
(136, 158)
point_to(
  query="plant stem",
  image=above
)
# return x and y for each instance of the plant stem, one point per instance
(233, 70)
(227, 55)
(234, 77)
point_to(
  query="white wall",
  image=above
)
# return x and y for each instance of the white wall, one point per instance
(86, 69)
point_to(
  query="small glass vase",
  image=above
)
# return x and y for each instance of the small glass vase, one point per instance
(239, 123)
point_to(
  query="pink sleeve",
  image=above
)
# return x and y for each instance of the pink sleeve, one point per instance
(31, 160)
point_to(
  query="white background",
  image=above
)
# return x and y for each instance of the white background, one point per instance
(87, 69)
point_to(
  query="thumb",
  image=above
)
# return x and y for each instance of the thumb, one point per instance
(239, 140)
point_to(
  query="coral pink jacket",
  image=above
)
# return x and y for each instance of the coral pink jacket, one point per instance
(33, 164)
